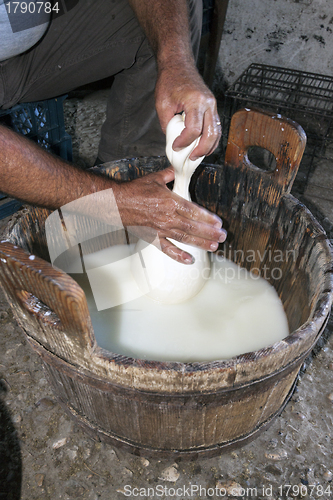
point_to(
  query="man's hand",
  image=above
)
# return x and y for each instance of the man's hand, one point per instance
(31, 174)
(148, 202)
(179, 86)
(182, 89)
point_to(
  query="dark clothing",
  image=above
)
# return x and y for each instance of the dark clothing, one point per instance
(94, 40)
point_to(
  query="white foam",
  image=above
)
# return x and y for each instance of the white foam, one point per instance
(234, 313)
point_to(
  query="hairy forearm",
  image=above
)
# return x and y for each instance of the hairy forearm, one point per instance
(165, 23)
(179, 86)
(30, 174)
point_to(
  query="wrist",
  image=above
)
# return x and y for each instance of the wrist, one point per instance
(177, 69)
(175, 57)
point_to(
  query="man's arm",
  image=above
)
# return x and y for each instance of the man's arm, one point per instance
(179, 86)
(31, 174)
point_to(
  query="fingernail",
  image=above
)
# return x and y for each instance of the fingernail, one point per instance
(223, 237)
(214, 246)
(218, 225)
(189, 260)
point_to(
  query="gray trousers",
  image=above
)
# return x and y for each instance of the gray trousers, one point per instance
(94, 40)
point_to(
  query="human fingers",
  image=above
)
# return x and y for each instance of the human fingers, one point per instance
(195, 233)
(191, 224)
(164, 176)
(148, 202)
(191, 211)
(211, 135)
(200, 121)
(175, 253)
(178, 218)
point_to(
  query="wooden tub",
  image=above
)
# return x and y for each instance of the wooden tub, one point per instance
(179, 408)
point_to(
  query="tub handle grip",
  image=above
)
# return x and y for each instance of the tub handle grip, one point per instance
(50, 298)
(284, 138)
(37, 308)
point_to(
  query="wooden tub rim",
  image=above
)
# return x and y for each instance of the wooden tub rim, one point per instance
(311, 329)
(242, 368)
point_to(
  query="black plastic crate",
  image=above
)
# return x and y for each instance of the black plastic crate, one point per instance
(306, 98)
(42, 122)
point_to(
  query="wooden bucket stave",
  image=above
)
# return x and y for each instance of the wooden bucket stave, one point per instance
(197, 408)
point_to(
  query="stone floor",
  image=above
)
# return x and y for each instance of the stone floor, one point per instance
(46, 456)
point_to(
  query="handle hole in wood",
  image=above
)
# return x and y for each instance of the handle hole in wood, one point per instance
(37, 308)
(261, 158)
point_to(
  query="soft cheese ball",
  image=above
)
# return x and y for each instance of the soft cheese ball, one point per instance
(169, 281)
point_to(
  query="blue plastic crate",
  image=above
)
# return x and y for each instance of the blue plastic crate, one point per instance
(9, 208)
(43, 122)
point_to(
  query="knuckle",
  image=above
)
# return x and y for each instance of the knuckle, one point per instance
(171, 206)
(217, 131)
(211, 101)
(187, 228)
(164, 225)
(182, 238)
(201, 99)
(196, 129)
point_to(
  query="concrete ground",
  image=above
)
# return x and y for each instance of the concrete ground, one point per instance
(46, 456)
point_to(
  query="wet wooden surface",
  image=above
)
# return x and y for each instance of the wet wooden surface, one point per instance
(200, 406)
